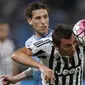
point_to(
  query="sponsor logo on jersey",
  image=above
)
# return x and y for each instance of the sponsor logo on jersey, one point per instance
(42, 42)
(69, 71)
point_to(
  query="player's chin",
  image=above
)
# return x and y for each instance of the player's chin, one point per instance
(43, 32)
(71, 53)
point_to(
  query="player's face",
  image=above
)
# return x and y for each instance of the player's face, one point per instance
(40, 21)
(68, 46)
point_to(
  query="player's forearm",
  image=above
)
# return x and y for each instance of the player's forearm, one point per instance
(19, 77)
(25, 59)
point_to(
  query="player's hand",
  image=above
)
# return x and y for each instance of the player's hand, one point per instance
(7, 80)
(48, 73)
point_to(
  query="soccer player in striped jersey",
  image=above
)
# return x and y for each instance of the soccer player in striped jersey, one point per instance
(67, 56)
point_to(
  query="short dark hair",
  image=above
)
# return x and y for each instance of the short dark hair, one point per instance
(34, 6)
(61, 32)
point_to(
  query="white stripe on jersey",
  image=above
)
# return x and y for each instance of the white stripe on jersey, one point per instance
(74, 78)
(73, 72)
(60, 81)
(67, 80)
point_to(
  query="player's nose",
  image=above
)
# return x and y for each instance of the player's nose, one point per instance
(73, 48)
(42, 20)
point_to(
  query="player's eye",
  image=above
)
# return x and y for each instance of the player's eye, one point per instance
(68, 46)
(45, 16)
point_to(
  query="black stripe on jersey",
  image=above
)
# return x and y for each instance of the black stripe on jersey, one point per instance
(56, 81)
(72, 61)
(64, 80)
(65, 61)
(79, 59)
(58, 67)
(77, 78)
(78, 52)
(51, 58)
(71, 80)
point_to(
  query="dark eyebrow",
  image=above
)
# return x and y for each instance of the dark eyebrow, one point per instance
(45, 14)
(38, 17)
(67, 44)
(70, 44)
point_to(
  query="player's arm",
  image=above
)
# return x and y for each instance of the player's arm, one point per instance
(23, 56)
(12, 80)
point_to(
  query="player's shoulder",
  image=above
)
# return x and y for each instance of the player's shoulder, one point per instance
(33, 39)
(30, 41)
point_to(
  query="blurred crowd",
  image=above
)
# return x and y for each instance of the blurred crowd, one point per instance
(12, 15)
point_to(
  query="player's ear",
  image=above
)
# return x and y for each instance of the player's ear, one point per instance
(29, 21)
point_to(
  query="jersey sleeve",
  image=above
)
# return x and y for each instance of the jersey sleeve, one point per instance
(39, 48)
(30, 45)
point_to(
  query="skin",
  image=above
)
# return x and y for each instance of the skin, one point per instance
(40, 22)
(8, 79)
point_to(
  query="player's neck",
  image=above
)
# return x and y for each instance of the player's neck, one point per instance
(63, 54)
(41, 35)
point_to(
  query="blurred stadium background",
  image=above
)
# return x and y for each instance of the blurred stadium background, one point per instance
(61, 11)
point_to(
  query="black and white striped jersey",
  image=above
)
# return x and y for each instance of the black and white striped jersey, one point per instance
(67, 71)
